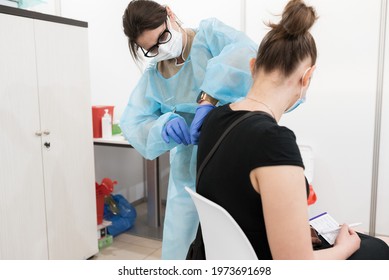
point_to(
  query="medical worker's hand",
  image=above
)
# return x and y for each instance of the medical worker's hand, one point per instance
(197, 122)
(178, 130)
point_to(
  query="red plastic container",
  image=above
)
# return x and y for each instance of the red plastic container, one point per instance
(105, 188)
(97, 114)
(100, 208)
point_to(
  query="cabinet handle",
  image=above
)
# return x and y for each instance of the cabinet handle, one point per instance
(46, 132)
(38, 133)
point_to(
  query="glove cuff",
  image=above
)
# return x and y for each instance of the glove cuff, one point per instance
(207, 106)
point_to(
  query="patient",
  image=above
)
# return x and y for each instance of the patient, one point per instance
(257, 174)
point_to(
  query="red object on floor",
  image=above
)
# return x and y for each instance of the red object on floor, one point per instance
(103, 189)
(100, 207)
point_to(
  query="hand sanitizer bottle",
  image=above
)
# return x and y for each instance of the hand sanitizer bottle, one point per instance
(106, 125)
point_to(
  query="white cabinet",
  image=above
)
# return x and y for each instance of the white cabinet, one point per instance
(47, 191)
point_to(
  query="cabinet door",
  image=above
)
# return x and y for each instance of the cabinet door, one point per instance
(64, 94)
(22, 207)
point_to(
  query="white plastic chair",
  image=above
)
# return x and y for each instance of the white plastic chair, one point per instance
(223, 237)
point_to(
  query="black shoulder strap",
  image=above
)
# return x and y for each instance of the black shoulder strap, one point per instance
(210, 154)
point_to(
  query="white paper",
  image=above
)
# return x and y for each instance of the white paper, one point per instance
(323, 223)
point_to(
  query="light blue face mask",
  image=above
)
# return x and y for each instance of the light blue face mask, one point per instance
(302, 99)
(296, 104)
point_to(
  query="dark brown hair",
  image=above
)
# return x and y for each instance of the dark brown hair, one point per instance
(139, 16)
(288, 42)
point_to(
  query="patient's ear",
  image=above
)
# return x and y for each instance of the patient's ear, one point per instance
(308, 76)
(252, 66)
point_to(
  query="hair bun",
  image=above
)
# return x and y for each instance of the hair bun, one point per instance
(297, 18)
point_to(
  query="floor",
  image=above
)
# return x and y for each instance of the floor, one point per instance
(141, 242)
(131, 247)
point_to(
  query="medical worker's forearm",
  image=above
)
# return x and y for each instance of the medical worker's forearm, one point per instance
(143, 132)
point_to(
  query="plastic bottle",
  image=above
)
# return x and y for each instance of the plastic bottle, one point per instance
(106, 125)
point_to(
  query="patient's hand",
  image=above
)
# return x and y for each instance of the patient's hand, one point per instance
(348, 239)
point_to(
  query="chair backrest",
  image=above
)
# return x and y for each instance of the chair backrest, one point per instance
(223, 237)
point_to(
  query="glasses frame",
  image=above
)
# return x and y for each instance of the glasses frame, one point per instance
(146, 53)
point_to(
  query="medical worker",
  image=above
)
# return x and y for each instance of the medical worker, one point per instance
(189, 72)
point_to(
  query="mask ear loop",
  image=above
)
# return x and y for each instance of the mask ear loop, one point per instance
(182, 53)
(302, 82)
(186, 39)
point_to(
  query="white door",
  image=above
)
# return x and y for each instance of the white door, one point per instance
(22, 198)
(64, 91)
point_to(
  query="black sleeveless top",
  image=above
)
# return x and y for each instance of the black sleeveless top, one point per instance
(255, 142)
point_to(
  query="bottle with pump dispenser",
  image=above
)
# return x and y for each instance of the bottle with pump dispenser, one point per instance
(106, 125)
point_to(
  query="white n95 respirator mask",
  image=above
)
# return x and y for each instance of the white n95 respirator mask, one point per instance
(171, 49)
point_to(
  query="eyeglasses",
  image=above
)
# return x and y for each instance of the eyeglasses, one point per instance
(162, 39)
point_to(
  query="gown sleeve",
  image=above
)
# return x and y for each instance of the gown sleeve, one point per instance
(225, 53)
(142, 122)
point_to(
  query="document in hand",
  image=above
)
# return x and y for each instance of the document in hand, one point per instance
(326, 226)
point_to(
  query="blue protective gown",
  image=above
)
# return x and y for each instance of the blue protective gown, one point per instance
(218, 63)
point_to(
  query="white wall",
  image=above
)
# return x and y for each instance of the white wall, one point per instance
(192, 12)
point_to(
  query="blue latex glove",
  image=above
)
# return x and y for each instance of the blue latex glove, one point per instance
(178, 130)
(197, 122)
